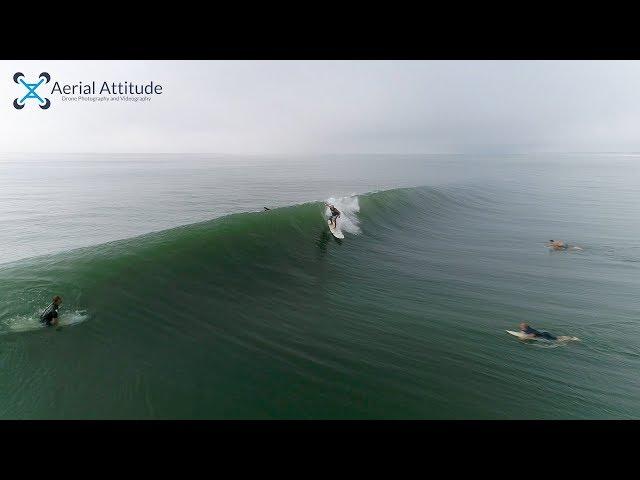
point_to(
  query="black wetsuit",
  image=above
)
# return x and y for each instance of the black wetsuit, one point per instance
(537, 334)
(335, 213)
(49, 314)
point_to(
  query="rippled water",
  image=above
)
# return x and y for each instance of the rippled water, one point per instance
(266, 315)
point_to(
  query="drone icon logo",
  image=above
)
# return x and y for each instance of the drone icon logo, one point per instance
(31, 91)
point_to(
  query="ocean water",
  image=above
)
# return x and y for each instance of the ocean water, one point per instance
(184, 299)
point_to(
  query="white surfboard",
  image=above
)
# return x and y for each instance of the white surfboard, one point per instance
(520, 335)
(336, 232)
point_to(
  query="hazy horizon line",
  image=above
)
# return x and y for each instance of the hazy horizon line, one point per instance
(324, 153)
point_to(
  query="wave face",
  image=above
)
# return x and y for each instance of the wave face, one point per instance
(266, 315)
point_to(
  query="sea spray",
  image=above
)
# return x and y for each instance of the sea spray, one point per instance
(25, 323)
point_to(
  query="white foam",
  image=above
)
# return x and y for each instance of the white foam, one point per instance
(25, 323)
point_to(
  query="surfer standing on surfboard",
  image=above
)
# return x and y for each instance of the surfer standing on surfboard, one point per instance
(335, 213)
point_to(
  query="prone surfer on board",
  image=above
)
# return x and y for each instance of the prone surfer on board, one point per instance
(533, 333)
(561, 245)
(335, 213)
(557, 245)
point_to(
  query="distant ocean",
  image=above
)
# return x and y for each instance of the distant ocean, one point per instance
(184, 298)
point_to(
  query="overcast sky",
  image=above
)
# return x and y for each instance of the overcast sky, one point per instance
(333, 107)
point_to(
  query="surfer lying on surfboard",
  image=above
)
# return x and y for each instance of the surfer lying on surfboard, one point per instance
(561, 245)
(335, 213)
(533, 333)
(528, 333)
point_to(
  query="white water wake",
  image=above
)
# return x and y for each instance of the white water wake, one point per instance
(25, 323)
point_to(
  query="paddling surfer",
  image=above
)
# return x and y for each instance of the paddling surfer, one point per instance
(533, 333)
(561, 245)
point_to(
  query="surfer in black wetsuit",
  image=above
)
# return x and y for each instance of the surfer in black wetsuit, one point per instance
(335, 213)
(533, 333)
(50, 315)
